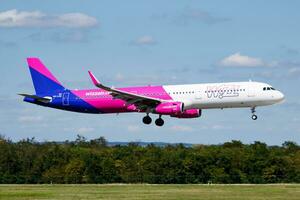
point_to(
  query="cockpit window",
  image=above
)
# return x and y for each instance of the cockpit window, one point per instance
(268, 88)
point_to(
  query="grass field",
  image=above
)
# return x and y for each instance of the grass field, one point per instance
(74, 192)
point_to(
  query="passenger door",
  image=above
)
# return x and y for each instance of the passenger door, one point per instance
(251, 91)
(198, 95)
(66, 99)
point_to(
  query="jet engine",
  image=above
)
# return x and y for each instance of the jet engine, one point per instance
(191, 113)
(169, 108)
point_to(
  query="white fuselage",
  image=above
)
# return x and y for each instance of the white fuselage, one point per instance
(225, 95)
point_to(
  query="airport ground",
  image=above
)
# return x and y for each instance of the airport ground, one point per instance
(146, 191)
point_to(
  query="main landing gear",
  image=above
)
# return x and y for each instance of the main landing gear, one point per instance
(147, 120)
(159, 121)
(254, 116)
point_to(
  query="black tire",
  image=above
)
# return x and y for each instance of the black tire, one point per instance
(147, 120)
(254, 117)
(159, 122)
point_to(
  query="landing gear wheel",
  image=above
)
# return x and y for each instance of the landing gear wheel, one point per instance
(159, 122)
(254, 117)
(147, 120)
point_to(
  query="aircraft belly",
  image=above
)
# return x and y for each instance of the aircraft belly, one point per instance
(230, 103)
(109, 105)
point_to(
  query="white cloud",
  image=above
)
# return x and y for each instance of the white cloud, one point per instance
(182, 128)
(145, 40)
(66, 36)
(200, 16)
(191, 15)
(119, 77)
(219, 127)
(133, 128)
(85, 130)
(290, 50)
(76, 20)
(296, 119)
(28, 119)
(15, 18)
(294, 72)
(238, 60)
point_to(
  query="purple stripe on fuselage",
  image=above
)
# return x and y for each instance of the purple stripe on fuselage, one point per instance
(80, 105)
(101, 99)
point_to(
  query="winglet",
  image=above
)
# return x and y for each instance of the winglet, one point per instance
(94, 79)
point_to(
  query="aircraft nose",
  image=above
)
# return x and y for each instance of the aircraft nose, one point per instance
(280, 96)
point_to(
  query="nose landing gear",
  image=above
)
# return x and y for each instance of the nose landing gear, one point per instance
(254, 117)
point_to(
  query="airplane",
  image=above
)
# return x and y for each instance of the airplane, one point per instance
(179, 101)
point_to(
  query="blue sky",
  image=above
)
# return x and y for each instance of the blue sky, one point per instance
(138, 42)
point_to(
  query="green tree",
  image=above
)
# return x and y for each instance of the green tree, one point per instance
(74, 171)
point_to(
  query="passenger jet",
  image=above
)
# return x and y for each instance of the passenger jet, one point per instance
(179, 101)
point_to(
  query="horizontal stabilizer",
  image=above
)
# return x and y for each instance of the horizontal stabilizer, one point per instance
(38, 98)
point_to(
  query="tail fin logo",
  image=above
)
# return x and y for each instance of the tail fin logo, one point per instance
(43, 80)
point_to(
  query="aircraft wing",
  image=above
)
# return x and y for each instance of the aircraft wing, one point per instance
(142, 102)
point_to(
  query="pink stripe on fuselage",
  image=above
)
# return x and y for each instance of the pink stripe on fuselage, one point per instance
(37, 65)
(149, 91)
(101, 99)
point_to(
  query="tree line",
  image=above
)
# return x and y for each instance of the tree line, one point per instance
(95, 161)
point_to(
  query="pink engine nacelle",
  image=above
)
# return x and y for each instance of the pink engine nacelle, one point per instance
(169, 108)
(191, 113)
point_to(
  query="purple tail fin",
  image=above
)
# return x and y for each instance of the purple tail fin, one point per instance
(43, 80)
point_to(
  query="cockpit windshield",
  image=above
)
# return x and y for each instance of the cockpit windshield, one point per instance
(268, 88)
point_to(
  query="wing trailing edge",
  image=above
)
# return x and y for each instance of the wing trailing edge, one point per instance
(130, 98)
